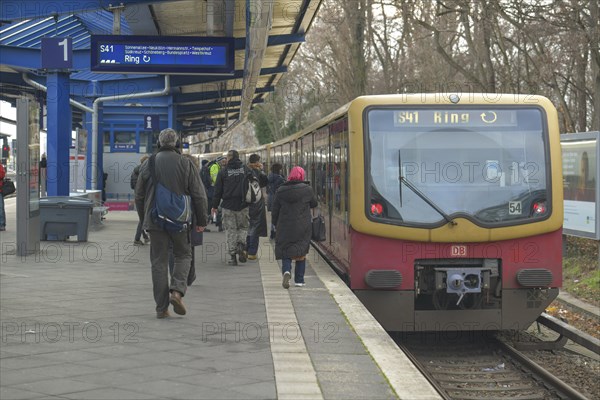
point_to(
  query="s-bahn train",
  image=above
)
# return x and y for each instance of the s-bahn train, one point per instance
(443, 212)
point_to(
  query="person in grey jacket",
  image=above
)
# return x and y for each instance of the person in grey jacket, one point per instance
(291, 215)
(179, 175)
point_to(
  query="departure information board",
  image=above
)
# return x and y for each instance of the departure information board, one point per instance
(162, 54)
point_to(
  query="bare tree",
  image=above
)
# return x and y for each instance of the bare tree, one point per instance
(358, 47)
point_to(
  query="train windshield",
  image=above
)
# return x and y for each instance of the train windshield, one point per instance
(485, 164)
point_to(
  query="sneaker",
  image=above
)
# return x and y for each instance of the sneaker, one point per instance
(252, 257)
(232, 260)
(299, 284)
(138, 242)
(242, 253)
(162, 314)
(286, 280)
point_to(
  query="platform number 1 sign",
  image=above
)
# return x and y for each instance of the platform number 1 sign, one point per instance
(57, 53)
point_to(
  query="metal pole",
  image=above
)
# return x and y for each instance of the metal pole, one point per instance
(96, 107)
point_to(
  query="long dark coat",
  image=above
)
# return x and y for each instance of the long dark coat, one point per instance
(256, 211)
(291, 215)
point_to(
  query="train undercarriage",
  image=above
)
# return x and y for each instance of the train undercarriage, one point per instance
(457, 295)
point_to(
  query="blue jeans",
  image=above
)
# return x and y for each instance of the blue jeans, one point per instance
(2, 214)
(286, 266)
(252, 244)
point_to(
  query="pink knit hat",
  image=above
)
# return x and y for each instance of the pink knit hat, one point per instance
(296, 174)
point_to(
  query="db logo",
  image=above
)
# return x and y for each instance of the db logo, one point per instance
(458, 251)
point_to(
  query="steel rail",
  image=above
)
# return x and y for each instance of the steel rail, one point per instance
(568, 331)
(542, 373)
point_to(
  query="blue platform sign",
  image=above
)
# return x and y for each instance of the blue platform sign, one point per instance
(57, 53)
(123, 147)
(162, 54)
(151, 122)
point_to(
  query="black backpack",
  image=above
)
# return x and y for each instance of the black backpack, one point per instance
(205, 175)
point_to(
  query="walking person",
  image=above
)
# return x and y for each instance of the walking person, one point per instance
(2, 212)
(208, 185)
(214, 168)
(179, 175)
(291, 215)
(256, 211)
(132, 181)
(229, 189)
(275, 179)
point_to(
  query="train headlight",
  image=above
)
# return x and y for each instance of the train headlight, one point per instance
(376, 209)
(539, 208)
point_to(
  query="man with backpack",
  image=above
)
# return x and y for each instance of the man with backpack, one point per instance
(229, 188)
(168, 171)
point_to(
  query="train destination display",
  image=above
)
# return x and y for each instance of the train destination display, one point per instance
(450, 116)
(162, 54)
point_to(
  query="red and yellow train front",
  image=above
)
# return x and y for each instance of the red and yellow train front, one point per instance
(455, 210)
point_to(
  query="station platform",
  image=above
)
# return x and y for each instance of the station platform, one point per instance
(78, 322)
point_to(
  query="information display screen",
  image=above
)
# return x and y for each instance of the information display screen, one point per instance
(162, 54)
(428, 118)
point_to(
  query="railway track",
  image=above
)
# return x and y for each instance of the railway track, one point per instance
(478, 366)
(483, 365)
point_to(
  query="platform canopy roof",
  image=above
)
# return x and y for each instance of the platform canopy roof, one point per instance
(267, 35)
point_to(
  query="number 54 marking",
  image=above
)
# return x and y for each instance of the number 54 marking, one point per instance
(515, 207)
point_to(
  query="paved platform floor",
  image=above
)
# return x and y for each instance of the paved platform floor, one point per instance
(78, 322)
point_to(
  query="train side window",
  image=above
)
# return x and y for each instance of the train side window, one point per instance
(336, 175)
(278, 159)
(345, 164)
(321, 157)
(338, 166)
(307, 159)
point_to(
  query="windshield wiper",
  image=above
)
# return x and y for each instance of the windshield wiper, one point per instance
(419, 193)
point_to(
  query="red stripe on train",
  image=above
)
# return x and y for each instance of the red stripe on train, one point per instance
(372, 252)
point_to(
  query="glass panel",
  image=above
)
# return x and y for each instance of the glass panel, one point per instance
(487, 165)
(307, 160)
(321, 146)
(338, 131)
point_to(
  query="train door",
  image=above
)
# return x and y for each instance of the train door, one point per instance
(306, 157)
(279, 159)
(287, 157)
(339, 189)
(320, 161)
(272, 160)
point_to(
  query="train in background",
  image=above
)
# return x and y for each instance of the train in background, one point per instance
(443, 212)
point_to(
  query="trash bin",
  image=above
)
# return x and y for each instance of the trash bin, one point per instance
(64, 216)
